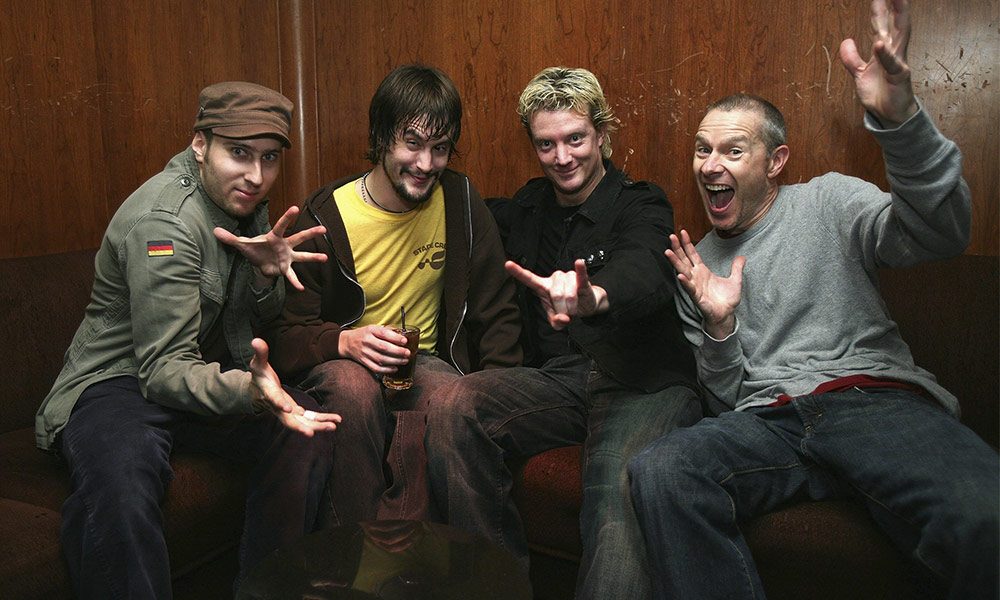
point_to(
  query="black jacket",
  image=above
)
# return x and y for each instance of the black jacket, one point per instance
(621, 232)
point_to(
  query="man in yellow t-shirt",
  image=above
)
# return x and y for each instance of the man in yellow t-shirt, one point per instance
(411, 234)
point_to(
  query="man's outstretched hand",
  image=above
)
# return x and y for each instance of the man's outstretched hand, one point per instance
(564, 294)
(268, 392)
(716, 297)
(273, 253)
(883, 81)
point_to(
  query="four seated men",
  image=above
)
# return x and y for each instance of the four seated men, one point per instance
(780, 330)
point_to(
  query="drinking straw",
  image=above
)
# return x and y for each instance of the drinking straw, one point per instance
(402, 313)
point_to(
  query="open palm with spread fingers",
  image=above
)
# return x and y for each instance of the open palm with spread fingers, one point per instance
(273, 253)
(883, 82)
(715, 296)
(267, 387)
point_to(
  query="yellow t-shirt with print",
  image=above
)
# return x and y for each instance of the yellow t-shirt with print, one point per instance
(399, 260)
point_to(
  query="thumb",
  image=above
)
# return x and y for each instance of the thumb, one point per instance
(850, 58)
(736, 271)
(260, 352)
(224, 236)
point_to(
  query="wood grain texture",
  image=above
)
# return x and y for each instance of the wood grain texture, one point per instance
(660, 64)
(52, 151)
(98, 94)
(101, 95)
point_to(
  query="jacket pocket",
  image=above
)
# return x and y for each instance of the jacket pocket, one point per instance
(211, 287)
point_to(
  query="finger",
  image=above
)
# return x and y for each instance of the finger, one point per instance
(313, 232)
(890, 61)
(850, 58)
(879, 19)
(317, 421)
(558, 293)
(677, 250)
(274, 394)
(379, 360)
(680, 266)
(582, 276)
(260, 351)
(525, 276)
(297, 423)
(375, 366)
(293, 279)
(325, 417)
(689, 250)
(736, 271)
(286, 219)
(395, 339)
(225, 236)
(675, 243)
(309, 257)
(901, 23)
(559, 322)
(323, 426)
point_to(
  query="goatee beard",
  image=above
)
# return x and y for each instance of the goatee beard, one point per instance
(400, 188)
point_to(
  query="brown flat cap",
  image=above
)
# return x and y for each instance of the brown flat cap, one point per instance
(238, 109)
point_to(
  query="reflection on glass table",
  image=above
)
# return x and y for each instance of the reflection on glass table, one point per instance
(388, 560)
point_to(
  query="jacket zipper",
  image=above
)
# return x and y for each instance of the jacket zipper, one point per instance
(465, 302)
(333, 250)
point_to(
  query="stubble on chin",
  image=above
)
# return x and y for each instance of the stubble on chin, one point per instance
(405, 194)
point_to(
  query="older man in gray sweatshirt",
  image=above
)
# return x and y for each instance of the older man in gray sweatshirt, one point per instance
(820, 395)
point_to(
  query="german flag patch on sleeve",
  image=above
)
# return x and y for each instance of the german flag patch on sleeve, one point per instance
(160, 248)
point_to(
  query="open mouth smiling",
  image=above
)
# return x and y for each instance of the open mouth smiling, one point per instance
(719, 197)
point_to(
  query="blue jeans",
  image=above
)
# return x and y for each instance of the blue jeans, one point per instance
(483, 419)
(117, 445)
(359, 482)
(927, 480)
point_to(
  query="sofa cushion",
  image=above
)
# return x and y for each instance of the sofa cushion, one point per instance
(818, 550)
(202, 510)
(31, 551)
(548, 492)
(43, 300)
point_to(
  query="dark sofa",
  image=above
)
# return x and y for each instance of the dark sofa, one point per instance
(947, 311)
(43, 300)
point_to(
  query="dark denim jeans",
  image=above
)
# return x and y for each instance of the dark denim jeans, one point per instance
(928, 481)
(483, 419)
(117, 445)
(359, 479)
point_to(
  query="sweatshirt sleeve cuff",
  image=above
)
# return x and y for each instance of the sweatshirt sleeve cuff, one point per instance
(724, 351)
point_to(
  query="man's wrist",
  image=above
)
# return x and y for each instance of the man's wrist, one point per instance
(721, 330)
(890, 122)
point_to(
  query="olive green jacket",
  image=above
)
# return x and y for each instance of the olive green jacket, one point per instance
(162, 282)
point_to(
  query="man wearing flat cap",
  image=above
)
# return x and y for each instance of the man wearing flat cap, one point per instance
(188, 270)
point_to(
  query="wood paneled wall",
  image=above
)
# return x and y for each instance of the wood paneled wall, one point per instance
(98, 94)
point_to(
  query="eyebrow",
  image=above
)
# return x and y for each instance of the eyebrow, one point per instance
(413, 131)
(230, 143)
(731, 140)
(581, 133)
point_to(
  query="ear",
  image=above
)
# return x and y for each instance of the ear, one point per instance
(602, 136)
(200, 146)
(777, 162)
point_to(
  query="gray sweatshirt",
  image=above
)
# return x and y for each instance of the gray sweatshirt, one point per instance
(811, 310)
